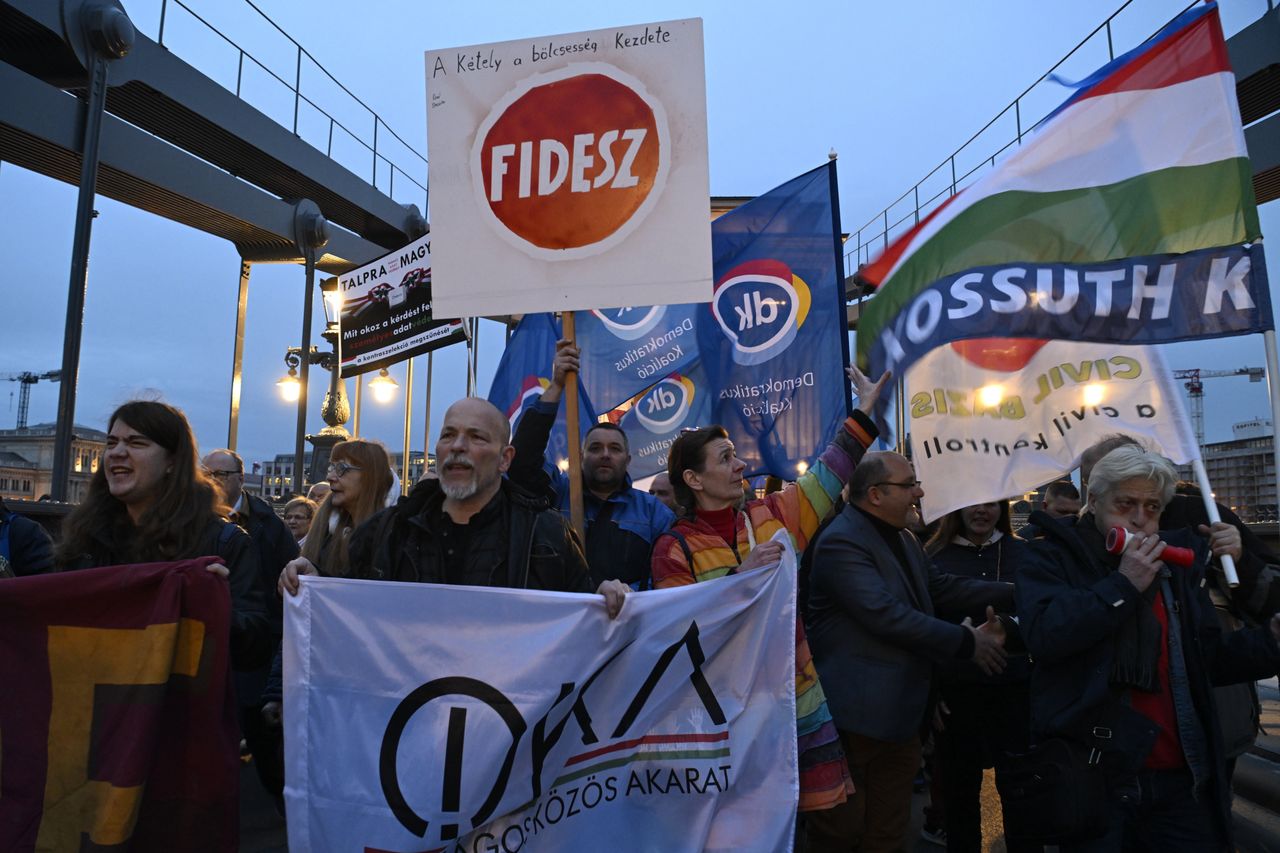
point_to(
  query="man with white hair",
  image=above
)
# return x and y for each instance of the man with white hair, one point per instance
(471, 526)
(1126, 651)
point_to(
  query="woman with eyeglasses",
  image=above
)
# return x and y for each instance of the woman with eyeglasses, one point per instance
(149, 501)
(982, 716)
(717, 534)
(360, 481)
(297, 517)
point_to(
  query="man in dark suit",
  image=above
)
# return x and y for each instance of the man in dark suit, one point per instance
(876, 641)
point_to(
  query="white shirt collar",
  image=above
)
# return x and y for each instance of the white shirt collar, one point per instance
(964, 540)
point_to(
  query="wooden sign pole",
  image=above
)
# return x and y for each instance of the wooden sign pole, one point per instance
(576, 516)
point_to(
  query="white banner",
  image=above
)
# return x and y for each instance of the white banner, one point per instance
(570, 172)
(422, 717)
(994, 418)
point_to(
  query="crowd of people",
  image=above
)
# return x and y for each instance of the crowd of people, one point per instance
(1036, 651)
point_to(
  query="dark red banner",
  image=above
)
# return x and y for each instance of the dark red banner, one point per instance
(117, 719)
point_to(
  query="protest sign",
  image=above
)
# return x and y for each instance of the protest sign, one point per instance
(570, 172)
(423, 717)
(387, 311)
(992, 419)
(119, 721)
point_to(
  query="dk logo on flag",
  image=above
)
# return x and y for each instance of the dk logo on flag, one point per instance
(760, 306)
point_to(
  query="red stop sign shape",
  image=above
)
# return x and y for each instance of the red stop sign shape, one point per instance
(570, 161)
(1003, 354)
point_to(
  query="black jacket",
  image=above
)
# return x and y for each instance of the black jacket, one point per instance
(251, 640)
(995, 561)
(1071, 605)
(872, 628)
(276, 547)
(516, 541)
(30, 550)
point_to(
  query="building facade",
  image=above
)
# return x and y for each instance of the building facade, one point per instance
(277, 473)
(26, 457)
(1242, 471)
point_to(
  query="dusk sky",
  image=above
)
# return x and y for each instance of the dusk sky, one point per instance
(893, 87)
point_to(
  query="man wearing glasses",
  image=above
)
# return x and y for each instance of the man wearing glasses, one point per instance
(875, 641)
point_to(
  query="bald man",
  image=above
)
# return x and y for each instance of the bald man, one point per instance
(473, 527)
(660, 488)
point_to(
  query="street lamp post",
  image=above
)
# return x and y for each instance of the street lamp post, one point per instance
(335, 411)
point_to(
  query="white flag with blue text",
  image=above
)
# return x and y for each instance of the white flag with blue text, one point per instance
(423, 718)
(993, 418)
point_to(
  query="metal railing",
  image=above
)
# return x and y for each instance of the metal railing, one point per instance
(299, 98)
(874, 236)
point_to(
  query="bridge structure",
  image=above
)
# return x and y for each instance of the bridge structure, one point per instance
(91, 101)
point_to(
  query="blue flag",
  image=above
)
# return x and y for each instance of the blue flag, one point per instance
(626, 350)
(677, 402)
(525, 372)
(773, 340)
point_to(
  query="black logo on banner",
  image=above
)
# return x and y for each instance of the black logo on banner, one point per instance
(542, 740)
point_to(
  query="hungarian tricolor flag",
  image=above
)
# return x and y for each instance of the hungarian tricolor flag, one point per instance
(117, 720)
(1127, 216)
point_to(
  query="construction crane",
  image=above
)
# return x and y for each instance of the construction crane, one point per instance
(26, 380)
(1195, 390)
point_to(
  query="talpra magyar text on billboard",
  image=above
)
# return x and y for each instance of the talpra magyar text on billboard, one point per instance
(387, 311)
(991, 419)
(569, 172)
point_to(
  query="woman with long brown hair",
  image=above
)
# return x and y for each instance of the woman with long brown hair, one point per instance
(149, 501)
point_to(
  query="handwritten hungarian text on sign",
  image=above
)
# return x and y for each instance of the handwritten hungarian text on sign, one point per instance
(570, 172)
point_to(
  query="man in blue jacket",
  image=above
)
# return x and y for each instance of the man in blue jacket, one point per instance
(1126, 652)
(622, 522)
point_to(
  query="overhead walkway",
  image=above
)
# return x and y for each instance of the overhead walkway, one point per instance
(178, 144)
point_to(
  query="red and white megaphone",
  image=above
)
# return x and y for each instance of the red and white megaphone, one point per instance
(1118, 539)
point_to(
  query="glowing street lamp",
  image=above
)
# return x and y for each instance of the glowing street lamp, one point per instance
(290, 387)
(383, 387)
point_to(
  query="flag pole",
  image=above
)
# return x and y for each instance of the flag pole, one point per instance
(576, 517)
(1273, 387)
(426, 429)
(900, 416)
(408, 430)
(1211, 507)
